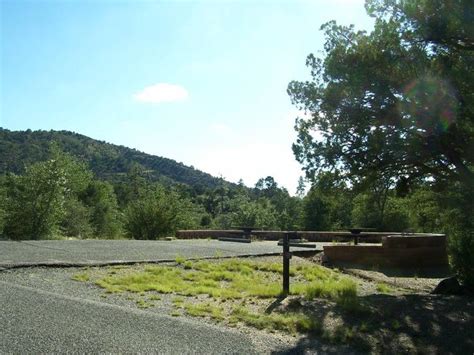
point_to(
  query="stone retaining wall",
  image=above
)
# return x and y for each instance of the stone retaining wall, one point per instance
(395, 251)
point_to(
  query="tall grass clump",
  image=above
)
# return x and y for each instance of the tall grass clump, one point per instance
(292, 323)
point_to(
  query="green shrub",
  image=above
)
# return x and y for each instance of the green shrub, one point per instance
(104, 214)
(424, 211)
(75, 222)
(154, 215)
(36, 199)
(461, 254)
(458, 223)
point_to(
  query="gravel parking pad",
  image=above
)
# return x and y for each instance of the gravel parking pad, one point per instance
(35, 321)
(45, 311)
(84, 252)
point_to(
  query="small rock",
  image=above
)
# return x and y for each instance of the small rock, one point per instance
(449, 286)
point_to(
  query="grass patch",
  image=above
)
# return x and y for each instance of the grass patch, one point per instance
(232, 279)
(175, 313)
(292, 322)
(342, 334)
(83, 277)
(335, 289)
(329, 284)
(384, 288)
(144, 304)
(179, 259)
(235, 287)
(204, 310)
(178, 302)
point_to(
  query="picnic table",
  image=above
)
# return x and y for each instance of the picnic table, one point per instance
(245, 238)
(356, 233)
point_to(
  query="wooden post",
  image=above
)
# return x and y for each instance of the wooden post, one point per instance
(286, 263)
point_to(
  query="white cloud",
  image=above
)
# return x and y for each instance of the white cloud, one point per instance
(161, 92)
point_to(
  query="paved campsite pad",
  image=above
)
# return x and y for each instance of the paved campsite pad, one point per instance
(84, 252)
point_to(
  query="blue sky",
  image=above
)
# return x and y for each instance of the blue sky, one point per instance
(201, 82)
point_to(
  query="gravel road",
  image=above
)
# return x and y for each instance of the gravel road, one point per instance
(95, 252)
(36, 321)
(42, 310)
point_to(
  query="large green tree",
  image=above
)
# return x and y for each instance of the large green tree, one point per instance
(396, 102)
(36, 200)
(328, 204)
(104, 217)
(287, 208)
(397, 105)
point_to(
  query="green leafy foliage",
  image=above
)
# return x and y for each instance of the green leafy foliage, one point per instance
(327, 205)
(105, 218)
(395, 102)
(287, 209)
(458, 223)
(392, 112)
(100, 207)
(366, 213)
(3, 204)
(153, 215)
(76, 219)
(424, 211)
(36, 200)
(461, 247)
(258, 214)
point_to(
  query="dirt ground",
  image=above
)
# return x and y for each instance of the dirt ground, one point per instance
(403, 317)
(396, 313)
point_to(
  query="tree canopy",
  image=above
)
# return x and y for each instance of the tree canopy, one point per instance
(396, 106)
(396, 103)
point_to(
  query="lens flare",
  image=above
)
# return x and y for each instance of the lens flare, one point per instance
(430, 104)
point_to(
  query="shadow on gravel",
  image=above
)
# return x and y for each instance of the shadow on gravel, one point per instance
(437, 272)
(425, 324)
(308, 345)
(275, 304)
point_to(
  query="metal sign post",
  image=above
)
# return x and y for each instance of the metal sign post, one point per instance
(286, 243)
(286, 264)
(287, 256)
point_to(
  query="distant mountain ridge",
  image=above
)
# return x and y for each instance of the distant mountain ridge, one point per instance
(108, 161)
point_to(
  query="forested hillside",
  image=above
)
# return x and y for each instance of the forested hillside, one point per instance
(19, 149)
(58, 196)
